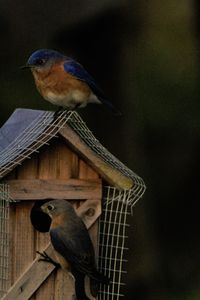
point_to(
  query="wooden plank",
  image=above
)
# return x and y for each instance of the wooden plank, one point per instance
(48, 170)
(23, 242)
(11, 175)
(38, 271)
(23, 238)
(67, 161)
(86, 172)
(22, 230)
(47, 167)
(46, 290)
(89, 211)
(30, 280)
(64, 286)
(29, 169)
(68, 165)
(38, 189)
(109, 173)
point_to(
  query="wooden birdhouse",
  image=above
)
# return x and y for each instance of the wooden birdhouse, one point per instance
(43, 158)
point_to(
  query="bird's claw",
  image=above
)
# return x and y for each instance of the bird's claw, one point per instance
(59, 112)
(47, 258)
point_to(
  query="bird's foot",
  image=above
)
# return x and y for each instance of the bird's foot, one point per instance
(47, 258)
(59, 112)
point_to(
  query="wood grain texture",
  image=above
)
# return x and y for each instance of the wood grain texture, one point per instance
(23, 239)
(23, 243)
(66, 161)
(46, 290)
(39, 271)
(30, 280)
(64, 286)
(55, 172)
(38, 189)
(86, 172)
(67, 165)
(47, 170)
(89, 210)
(109, 173)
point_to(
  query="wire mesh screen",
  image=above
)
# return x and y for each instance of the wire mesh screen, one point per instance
(36, 134)
(46, 126)
(4, 239)
(117, 204)
(112, 241)
(80, 127)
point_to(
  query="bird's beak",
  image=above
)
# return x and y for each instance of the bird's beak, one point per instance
(25, 67)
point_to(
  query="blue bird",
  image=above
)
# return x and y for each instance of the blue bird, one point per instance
(64, 82)
(73, 246)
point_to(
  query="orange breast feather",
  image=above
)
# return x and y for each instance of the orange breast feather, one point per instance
(57, 81)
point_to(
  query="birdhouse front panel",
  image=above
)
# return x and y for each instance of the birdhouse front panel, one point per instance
(54, 173)
(44, 157)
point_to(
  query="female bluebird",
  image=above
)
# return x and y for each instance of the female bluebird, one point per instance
(63, 81)
(73, 246)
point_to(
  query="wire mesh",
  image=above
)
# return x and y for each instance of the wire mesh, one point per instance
(117, 204)
(37, 134)
(112, 242)
(4, 239)
(44, 128)
(80, 127)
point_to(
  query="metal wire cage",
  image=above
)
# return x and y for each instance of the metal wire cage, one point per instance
(112, 242)
(4, 239)
(117, 204)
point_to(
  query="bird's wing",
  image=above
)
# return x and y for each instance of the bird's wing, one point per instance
(79, 252)
(75, 69)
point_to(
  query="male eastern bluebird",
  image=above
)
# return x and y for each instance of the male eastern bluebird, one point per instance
(63, 81)
(73, 246)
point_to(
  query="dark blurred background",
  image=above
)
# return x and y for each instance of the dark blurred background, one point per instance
(146, 57)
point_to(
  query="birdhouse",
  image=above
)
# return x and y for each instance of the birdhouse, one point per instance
(44, 157)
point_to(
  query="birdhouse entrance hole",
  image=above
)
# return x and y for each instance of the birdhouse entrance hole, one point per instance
(71, 165)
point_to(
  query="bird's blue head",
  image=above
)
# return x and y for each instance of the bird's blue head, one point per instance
(44, 58)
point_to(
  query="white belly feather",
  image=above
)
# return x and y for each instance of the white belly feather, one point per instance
(71, 99)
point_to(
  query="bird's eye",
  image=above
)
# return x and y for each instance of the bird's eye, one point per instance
(50, 207)
(39, 61)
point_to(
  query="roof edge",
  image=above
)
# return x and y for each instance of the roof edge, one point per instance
(111, 175)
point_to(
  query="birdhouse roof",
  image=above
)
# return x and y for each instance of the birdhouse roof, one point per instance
(27, 130)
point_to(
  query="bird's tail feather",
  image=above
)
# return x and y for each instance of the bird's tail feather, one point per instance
(79, 285)
(95, 280)
(111, 107)
(99, 277)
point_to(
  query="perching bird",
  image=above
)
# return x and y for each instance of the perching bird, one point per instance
(64, 82)
(73, 246)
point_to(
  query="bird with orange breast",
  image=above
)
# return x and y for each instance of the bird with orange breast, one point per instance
(73, 246)
(64, 82)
